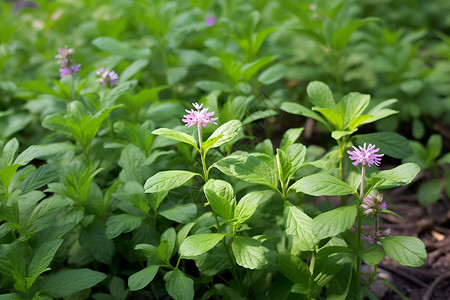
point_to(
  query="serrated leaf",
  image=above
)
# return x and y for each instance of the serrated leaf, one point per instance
(176, 135)
(195, 245)
(179, 286)
(142, 278)
(122, 223)
(68, 282)
(42, 176)
(299, 226)
(405, 250)
(322, 185)
(335, 221)
(296, 153)
(226, 133)
(167, 180)
(249, 253)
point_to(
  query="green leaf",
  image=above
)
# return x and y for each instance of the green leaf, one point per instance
(248, 168)
(142, 278)
(179, 286)
(9, 152)
(169, 236)
(258, 115)
(299, 227)
(380, 112)
(122, 223)
(335, 221)
(390, 143)
(249, 203)
(342, 35)
(272, 74)
(405, 250)
(167, 180)
(429, 192)
(195, 245)
(119, 48)
(354, 123)
(337, 134)
(284, 166)
(42, 259)
(42, 176)
(332, 116)
(298, 109)
(210, 85)
(398, 176)
(322, 185)
(294, 268)
(290, 137)
(27, 155)
(93, 239)
(181, 213)
(176, 135)
(68, 282)
(252, 68)
(220, 195)
(434, 146)
(296, 153)
(373, 255)
(225, 133)
(149, 251)
(249, 253)
(132, 69)
(352, 106)
(320, 95)
(10, 296)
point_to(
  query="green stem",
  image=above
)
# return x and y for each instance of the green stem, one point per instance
(358, 232)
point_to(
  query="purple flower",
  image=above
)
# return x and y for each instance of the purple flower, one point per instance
(210, 21)
(200, 116)
(69, 70)
(373, 205)
(65, 60)
(380, 235)
(365, 156)
(107, 77)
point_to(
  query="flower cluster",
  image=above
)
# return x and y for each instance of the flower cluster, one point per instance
(65, 61)
(380, 235)
(210, 21)
(365, 156)
(199, 117)
(373, 205)
(107, 77)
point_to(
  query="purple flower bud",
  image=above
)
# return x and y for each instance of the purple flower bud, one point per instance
(373, 205)
(107, 77)
(65, 60)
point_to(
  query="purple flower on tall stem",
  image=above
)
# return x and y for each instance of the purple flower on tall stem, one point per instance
(200, 117)
(68, 67)
(107, 77)
(365, 156)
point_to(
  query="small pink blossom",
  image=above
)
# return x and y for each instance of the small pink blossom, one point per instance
(68, 67)
(200, 117)
(107, 77)
(373, 205)
(210, 21)
(365, 156)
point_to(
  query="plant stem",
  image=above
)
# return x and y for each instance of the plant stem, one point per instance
(358, 231)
